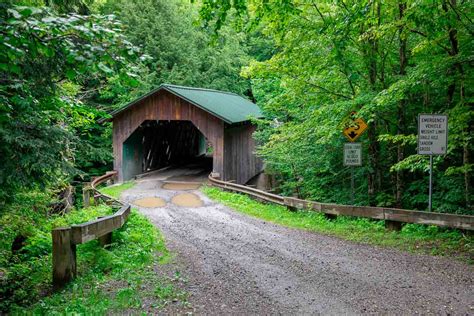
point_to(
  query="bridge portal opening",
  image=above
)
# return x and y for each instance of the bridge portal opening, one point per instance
(158, 144)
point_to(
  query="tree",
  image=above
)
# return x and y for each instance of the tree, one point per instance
(387, 61)
(47, 62)
(182, 52)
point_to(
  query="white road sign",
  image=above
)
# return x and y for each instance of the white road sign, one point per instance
(432, 134)
(352, 154)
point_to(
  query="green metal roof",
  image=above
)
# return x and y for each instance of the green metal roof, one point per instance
(229, 107)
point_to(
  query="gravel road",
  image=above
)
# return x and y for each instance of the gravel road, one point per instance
(236, 264)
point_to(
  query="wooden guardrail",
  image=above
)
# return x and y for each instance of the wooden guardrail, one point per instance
(90, 191)
(393, 217)
(65, 239)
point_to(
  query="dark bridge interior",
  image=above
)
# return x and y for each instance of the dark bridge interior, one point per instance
(158, 144)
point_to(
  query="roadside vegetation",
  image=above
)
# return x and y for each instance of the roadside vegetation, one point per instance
(382, 61)
(413, 237)
(121, 277)
(64, 65)
(115, 190)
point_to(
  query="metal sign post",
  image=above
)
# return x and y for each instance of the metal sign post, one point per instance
(352, 157)
(352, 185)
(430, 190)
(432, 140)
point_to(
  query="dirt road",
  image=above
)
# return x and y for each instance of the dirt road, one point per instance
(241, 265)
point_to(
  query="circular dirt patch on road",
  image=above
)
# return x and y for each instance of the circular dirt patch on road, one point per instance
(181, 186)
(150, 202)
(187, 200)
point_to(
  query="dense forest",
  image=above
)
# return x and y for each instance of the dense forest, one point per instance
(312, 67)
(387, 61)
(63, 66)
(67, 64)
(308, 65)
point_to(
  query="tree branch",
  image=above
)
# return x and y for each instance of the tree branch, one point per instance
(319, 12)
(426, 36)
(329, 91)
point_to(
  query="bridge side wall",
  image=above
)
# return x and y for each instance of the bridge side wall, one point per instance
(240, 162)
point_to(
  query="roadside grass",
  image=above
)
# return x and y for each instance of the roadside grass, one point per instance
(115, 190)
(25, 275)
(119, 279)
(123, 278)
(413, 237)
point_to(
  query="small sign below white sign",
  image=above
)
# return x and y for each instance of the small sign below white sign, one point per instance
(352, 154)
(432, 134)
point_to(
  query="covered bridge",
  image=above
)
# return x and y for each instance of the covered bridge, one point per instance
(175, 125)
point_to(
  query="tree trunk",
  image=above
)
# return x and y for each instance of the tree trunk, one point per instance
(373, 176)
(402, 54)
(452, 34)
(454, 42)
(467, 177)
(373, 164)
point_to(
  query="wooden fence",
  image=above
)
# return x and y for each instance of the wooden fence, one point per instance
(65, 239)
(393, 217)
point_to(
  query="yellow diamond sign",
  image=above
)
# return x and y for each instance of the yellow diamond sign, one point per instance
(356, 128)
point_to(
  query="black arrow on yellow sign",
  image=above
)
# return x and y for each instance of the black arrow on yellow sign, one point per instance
(352, 135)
(358, 128)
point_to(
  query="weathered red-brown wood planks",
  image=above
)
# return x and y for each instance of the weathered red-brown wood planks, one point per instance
(166, 106)
(240, 161)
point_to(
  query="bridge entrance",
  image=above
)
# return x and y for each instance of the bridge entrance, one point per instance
(157, 144)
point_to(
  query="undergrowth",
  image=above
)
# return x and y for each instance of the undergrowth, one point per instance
(25, 246)
(413, 237)
(117, 279)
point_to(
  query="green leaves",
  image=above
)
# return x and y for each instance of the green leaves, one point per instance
(105, 69)
(49, 132)
(179, 51)
(335, 57)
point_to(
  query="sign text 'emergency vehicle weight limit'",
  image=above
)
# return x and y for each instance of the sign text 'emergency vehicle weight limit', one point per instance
(432, 134)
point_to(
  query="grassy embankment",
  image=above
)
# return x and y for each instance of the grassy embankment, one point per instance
(118, 279)
(116, 190)
(414, 238)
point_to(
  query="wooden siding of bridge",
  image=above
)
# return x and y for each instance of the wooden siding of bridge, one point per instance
(240, 162)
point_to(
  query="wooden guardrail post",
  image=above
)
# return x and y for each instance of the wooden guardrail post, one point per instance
(330, 216)
(65, 239)
(292, 209)
(64, 257)
(106, 239)
(393, 225)
(111, 180)
(86, 194)
(93, 191)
